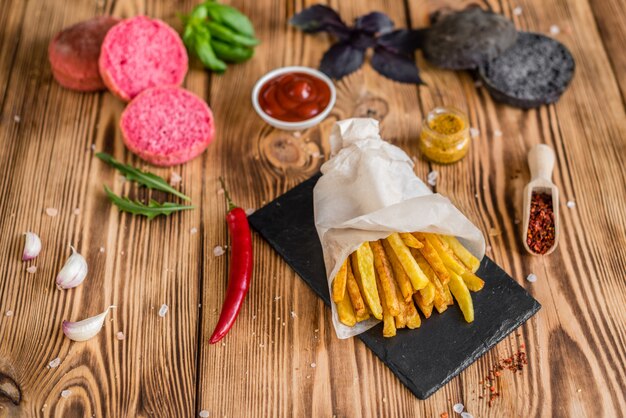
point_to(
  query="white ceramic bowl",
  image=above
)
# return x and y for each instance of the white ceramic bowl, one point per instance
(293, 126)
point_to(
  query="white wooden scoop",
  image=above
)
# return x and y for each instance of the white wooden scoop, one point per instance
(541, 164)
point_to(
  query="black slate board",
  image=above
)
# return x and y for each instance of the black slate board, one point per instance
(423, 359)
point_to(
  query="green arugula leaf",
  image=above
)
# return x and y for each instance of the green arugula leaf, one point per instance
(151, 210)
(150, 180)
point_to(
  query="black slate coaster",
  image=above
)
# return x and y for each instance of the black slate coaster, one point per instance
(423, 359)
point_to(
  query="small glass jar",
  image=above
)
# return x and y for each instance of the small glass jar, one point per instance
(445, 136)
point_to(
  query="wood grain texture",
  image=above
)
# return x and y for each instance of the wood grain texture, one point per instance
(282, 358)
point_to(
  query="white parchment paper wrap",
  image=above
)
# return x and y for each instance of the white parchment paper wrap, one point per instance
(367, 191)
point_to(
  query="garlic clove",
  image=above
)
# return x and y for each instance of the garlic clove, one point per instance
(32, 246)
(73, 272)
(85, 329)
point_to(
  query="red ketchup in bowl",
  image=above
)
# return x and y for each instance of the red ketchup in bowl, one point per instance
(294, 97)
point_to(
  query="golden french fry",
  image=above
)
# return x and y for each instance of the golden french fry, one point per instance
(339, 283)
(433, 258)
(462, 295)
(440, 296)
(426, 309)
(404, 284)
(416, 275)
(472, 281)
(428, 294)
(345, 311)
(363, 269)
(401, 317)
(385, 278)
(389, 326)
(449, 299)
(471, 262)
(450, 260)
(413, 319)
(409, 240)
(355, 296)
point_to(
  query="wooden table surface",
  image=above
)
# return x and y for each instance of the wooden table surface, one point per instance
(282, 358)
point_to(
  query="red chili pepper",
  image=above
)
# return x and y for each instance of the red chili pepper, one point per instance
(240, 267)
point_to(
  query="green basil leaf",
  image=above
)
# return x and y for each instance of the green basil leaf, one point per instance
(231, 18)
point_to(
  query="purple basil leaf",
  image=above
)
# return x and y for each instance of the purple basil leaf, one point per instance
(361, 40)
(320, 18)
(375, 22)
(341, 59)
(398, 67)
(403, 41)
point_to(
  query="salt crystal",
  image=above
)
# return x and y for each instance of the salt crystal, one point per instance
(220, 191)
(555, 30)
(76, 211)
(52, 212)
(204, 413)
(276, 298)
(478, 84)
(316, 155)
(458, 408)
(474, 132)
(250, 211)
(497, 133)
(175, 179)
(163, 310)
(54, 363)
(517, 11)
(313, 365)
(66, 393)
(466, 415)
(120, 335)
(517, 221)
(488, 248)
(571, 204)
(218, 250)
(31, 269)
(17, 118)
(297, 134)
(532, 278)
(293, 314)
(101, 249)
(432, 177)
(9, 313)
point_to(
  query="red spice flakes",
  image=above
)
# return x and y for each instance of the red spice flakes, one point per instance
(514, 363)
(540, 235)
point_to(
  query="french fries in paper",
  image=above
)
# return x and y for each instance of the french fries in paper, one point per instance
(396, 278)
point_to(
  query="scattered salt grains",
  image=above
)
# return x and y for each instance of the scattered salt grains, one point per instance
(220, 191)
(52, 211)
(218, 251)
(293, 314)
(532, 278)
(474, 132)
(554, 30)
(488, 248)
(432, 177)
(466, 415)
(458, 408)
(163, 310)
(571, 204)
(77, 211)
(497, 133)
(204, 413)
(277, 298)
(9, 313)
(54, 363)
(66, 393)
(175, 179)
(250, 211)
(478, 84)
(517, 11)
(313, 365)
(297, 134)
(93, 147)
(17, 118)
(120, 335)
(193, 230)
(101, 249)
(32, 269)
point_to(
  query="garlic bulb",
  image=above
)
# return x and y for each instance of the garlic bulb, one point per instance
(73, 272)
(32, 246)
(85, 329)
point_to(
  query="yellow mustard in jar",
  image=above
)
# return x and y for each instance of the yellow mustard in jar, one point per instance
(445, 136)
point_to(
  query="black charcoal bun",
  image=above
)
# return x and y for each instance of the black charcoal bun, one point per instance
(467, 39)
(535, 71)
